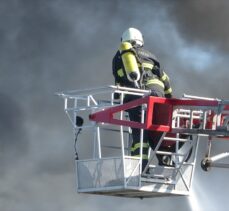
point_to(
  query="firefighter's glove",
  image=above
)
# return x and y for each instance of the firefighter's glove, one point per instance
(168, 95)
(133, 76)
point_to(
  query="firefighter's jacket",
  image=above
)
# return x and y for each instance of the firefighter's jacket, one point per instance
(152, 76)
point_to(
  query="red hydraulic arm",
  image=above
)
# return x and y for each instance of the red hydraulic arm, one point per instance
(159, 112)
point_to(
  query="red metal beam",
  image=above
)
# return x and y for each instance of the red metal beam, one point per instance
(158, 114)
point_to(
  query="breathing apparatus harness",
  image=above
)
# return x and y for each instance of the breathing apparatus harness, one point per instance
(144, 73)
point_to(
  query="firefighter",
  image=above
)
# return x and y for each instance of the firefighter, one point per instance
(135, 67)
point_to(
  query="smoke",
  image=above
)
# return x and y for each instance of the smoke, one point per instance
(201, 23)
(55, 45)
(13, 136)
(203, 39)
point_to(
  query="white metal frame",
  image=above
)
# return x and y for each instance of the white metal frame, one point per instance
(162, 180)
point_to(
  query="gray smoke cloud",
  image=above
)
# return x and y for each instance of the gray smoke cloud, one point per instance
(201, 22)
(13, 135)
(201, 25)
(55, 45)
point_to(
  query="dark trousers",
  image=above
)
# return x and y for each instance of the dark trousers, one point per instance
(148, 139)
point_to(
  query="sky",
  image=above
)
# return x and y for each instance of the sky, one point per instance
(48, 46)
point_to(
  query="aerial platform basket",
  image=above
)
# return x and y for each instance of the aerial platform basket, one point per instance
(110, 169)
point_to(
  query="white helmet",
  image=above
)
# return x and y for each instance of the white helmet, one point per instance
(132, 34)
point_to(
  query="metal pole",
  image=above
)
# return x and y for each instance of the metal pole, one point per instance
(194, 159)
(142, 135)
(141, 142)
(219, 156)
(122, 145)
(197, 97)
(98, 141)
(123, 150)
